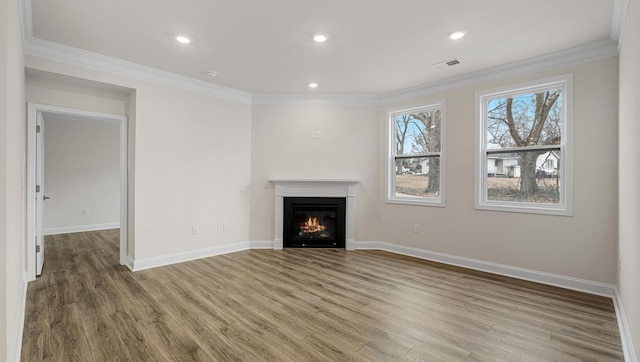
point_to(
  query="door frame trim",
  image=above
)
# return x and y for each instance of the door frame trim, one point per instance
(32, 111)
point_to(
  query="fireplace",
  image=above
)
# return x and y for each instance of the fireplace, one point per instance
(329, 188)
(314, 222)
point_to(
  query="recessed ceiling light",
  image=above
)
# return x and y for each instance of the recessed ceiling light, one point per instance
(456, 35)
(320, 38)
(313, 85)
(183, 39)
(211, 73)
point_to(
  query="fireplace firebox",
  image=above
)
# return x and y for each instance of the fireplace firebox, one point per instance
(314, 222)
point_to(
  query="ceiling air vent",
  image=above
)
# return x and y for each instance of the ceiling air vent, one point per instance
(445, 64)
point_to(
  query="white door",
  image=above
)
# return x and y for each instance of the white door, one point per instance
(40, 196)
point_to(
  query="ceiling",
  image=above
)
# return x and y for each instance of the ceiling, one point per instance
(374, 46)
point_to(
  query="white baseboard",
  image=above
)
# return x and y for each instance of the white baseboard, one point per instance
(562, 281)
(625, 333)
(261, 244)
(368, 245)
(80, 228)
(141, 264)
(129, 262)
(16, 346)
(350, 244)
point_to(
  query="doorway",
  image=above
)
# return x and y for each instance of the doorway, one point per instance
(36, 187)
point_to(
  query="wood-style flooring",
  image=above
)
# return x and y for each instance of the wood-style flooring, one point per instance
(300, 305)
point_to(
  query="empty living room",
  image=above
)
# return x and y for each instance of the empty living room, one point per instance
(285, 180)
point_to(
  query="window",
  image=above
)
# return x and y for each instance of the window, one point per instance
(528, 128)
(416, 162)
(548, 164)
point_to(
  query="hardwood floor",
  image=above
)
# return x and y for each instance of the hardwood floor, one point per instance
(301, 305)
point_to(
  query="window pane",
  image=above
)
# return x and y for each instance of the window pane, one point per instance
(529, 119)
(532, 176)
(418, 133)
(418, 177)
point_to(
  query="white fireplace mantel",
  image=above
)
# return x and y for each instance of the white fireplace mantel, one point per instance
(315, 188)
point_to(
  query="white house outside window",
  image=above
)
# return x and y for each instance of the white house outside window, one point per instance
(416, 162)
(525, 144)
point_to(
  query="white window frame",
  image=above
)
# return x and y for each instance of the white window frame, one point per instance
(390, 196)
(565, 206)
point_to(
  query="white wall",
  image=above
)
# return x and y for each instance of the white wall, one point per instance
(581, 246)
(192, 153)
(282, 149)
(188, 155)
(629, 196)
(59, 90)
(81, 172)
(12, 173)
(5, 100)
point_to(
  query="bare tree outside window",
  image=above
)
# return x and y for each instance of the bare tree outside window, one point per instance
(427, 140)
(417, 153)
(524, 137)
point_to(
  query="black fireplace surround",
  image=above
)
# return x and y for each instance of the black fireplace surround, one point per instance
(314, 222)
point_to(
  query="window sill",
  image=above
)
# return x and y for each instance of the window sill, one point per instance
(416, 202)
(525, 208)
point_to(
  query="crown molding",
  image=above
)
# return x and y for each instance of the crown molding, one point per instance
(24, 6)
(618, 17)
(74, 56)
(589, 52)
(315, 99)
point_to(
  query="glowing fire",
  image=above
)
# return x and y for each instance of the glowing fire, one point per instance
(312, 226)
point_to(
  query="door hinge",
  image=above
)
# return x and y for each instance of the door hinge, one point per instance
(37, 248)
(38, 129)
(37, 188)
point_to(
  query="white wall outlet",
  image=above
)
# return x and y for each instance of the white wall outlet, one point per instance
(315, 134)
(195, 230)
(225, 226)
(416, 228)
(243, 187)
(85, 211)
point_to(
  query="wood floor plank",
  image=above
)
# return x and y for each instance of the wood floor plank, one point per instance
(433, 349)
(133, 335)
(104, 336)
(35, 334)
(301, 305)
